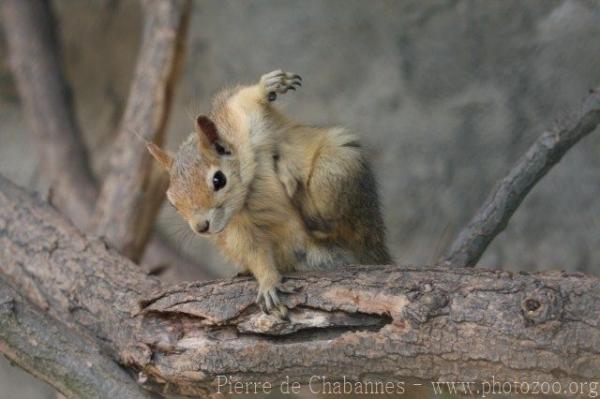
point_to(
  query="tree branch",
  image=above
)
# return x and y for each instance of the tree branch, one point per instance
(368, 322)
(134, 188)
(46, 96)
(36, 65)
(69, 361)
(493, 216)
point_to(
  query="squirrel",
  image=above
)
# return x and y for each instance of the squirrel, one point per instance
(275, 196)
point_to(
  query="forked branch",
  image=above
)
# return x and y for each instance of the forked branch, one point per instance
(35, 60)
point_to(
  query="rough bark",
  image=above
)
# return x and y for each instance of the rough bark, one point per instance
(35, 60)
(70, 361)
(134, 188)
(493, 216)
(368, 322)
(77, 281)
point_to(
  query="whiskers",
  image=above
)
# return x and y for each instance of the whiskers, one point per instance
(181, 236)
(192, 110)
(190, 113)
(178, 236)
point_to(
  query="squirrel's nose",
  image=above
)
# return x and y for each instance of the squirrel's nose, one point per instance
(202, 228)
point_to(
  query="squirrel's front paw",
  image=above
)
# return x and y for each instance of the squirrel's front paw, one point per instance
(269, 302)
(279, 82)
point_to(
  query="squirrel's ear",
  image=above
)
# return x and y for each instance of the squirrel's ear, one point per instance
(207, 130)
(161, 156)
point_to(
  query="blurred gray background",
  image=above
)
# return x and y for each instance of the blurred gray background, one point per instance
(445, 94)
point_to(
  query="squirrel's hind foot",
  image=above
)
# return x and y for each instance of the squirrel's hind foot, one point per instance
(279, 82)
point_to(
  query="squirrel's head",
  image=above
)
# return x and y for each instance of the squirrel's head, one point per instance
(205, 185)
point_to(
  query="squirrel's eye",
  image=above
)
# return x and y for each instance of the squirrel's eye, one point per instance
(219, 180)
(221, 150)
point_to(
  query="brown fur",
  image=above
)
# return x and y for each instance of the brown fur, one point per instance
(296, 198)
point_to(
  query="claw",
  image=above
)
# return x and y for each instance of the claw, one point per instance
(269, 303)
(263, 308)
(278, 82)
(272, 295)
(283, 312)
(264, 302)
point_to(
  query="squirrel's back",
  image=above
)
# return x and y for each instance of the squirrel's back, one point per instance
(325, 171)
(335, 189)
